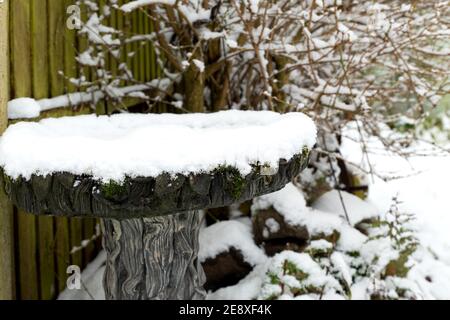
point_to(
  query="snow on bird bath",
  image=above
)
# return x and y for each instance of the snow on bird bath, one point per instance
(133, 145)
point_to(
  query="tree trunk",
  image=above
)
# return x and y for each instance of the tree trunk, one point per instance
(153, 258)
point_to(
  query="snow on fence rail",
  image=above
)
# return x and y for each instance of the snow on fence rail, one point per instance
(28, 108)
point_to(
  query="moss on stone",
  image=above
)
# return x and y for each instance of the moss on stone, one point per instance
(113, 189)
(291, 269)
(237, 182)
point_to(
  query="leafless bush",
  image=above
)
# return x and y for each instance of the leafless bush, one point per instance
(374, 63)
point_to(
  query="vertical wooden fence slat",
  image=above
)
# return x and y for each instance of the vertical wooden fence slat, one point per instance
(147, 49)
(128, 47)
(83, 44)
(112, 59)
(56, 32)
(6, 215)
(56, 27)
(70, 71)
(142, 46)
(102, 105)
(39, 60)
(135, 46)
(70, 45)
(21, 70)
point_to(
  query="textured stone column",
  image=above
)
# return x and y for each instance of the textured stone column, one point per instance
(153, 258)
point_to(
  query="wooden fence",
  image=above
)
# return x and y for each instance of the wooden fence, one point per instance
(40, 46)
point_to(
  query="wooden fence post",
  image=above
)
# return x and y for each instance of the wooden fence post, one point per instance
(6, 217)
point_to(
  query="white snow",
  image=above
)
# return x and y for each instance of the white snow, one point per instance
(351, 240)
(199, 64)
(272, 225)
(290, 203)
(321, 244)
(337, 259)
(26, 108)
(23, 108)
(113, 147)
(422, 190)
(222, 236)
(133, 5)
(315, 275)
(356, 208)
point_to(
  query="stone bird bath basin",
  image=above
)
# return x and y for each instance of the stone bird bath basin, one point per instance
(147, 177)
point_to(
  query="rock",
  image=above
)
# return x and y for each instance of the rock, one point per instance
(214, 215)
(225, 269)
(275, 235)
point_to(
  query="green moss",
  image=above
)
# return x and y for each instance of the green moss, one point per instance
(274, 279)
(236, 181)
(305, 152)
(317, 253)
(272, 297)
(291, 269)
(113, 189)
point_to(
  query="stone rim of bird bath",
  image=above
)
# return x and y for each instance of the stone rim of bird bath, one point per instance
(144, 216)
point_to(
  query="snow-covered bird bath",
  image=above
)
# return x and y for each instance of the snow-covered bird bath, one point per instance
(147, 177)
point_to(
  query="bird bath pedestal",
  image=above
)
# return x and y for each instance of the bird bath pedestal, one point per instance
(150, 216)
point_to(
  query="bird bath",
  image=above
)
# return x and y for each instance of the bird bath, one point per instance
(147, 177)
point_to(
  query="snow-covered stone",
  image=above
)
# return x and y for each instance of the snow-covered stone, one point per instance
(291, 205)
(134, 145)
(356, 208)
(222, 236)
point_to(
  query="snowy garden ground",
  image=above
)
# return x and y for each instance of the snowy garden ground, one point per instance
(421, 190)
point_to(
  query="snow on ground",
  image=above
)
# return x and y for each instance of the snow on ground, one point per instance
(356, 209)
(111, 148)
(422, 191)
(426, 195)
